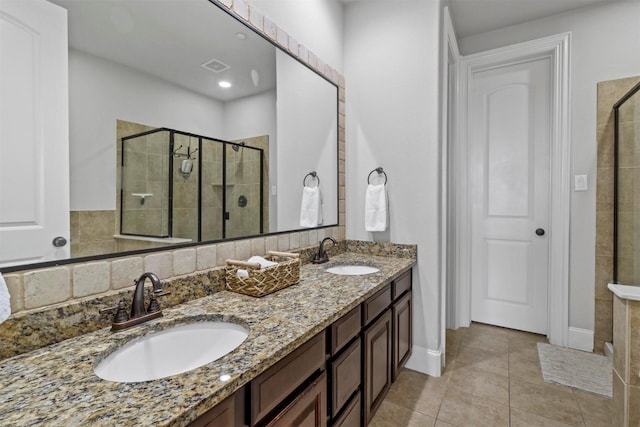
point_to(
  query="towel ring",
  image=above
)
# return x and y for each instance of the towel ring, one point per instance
(380, 171)
(312, 174)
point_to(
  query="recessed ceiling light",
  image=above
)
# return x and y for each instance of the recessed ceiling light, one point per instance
(241, 36)
(224, 84)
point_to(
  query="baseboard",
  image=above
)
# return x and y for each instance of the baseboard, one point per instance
(426, 361)
(580, 339)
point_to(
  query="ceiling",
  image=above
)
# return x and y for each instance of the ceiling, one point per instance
(171, 39)
(472, 17)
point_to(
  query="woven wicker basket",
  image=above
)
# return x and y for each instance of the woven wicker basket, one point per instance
(263, 281)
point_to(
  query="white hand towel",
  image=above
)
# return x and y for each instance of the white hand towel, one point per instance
(263, 262)
(257, 260)
(375, 208)
(5, 300)
(310, 207)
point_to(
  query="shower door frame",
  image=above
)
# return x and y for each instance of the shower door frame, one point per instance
(616, 168)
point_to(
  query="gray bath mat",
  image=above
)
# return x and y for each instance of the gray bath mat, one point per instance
(575, 368)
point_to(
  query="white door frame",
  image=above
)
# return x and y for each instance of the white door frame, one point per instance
(557, 48)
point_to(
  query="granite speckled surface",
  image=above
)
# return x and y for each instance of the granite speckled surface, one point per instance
(55, 385)
(30, 331)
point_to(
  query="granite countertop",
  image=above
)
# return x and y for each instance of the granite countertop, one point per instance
(56, 385)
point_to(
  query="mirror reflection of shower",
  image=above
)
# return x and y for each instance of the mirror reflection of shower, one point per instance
(186, 167)
(192, 185)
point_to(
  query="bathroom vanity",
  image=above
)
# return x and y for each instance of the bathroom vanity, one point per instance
(322, 352)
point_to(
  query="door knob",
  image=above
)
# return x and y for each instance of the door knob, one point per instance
(59, 241)
(540, 231)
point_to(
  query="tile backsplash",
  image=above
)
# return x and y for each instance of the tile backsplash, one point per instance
(29, 329)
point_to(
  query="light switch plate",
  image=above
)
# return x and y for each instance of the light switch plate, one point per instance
(580, 183)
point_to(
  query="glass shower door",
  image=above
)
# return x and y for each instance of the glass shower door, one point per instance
(243, 190)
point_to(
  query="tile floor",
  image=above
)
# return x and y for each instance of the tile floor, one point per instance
(492, 378)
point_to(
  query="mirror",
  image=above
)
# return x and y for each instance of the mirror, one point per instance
(137, 64)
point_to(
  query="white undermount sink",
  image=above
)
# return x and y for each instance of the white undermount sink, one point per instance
(171, 351)
(352, 270)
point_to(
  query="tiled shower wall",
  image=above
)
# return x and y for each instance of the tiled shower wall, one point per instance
(609, 92)
(34, 290)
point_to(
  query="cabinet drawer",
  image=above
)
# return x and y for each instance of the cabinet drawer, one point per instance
(227, 413)
(345, 377)
(308, 409)
(376, 304)
(344, 329)
(273, 386)
(351, 417)
(401, 285)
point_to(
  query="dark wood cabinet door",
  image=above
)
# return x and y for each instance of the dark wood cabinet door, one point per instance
(377, 363)
(228, 413)
(401, 311)
(309, 409)
(345, 377)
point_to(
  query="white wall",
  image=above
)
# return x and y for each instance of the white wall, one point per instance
(307, 140)
(392, 63)
(317, 24)
(605, 45)
(100, 92)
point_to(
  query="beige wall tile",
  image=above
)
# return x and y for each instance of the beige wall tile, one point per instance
(241, 8)
(124, 272)
(618, 401)
(15, 285)
(271, 243)
(283, 242)
(206, 257)
(256, 18)
(634, 405)
(604, 197)
(634, 343)
(604, 135)
(604, 322)
(604, 274)
(257, 246)
(91, 279)
(184, 261)
(225, 251)
(243, 249)
(46, 287)
(604, 233)
(294, 240)
(313, 237)
(620, 338)
(161, 264)
(304, 239)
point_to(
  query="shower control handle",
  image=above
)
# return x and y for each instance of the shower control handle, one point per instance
(540, 231)
(59, 241)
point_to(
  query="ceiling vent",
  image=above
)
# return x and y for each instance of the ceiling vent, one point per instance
(215, 65)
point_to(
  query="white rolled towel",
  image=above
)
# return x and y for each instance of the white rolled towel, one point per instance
(5, 300)
(310, 207)
(257, 260)
(375, 208)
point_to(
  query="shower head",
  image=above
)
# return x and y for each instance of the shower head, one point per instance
(236, 147)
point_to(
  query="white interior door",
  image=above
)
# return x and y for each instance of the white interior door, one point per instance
(509, 143)
(34, 136)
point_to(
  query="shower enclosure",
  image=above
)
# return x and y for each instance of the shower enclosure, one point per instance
(626, 233)
(187, 187)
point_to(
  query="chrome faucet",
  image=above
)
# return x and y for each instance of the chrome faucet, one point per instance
(138, 313)
(321, 257)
